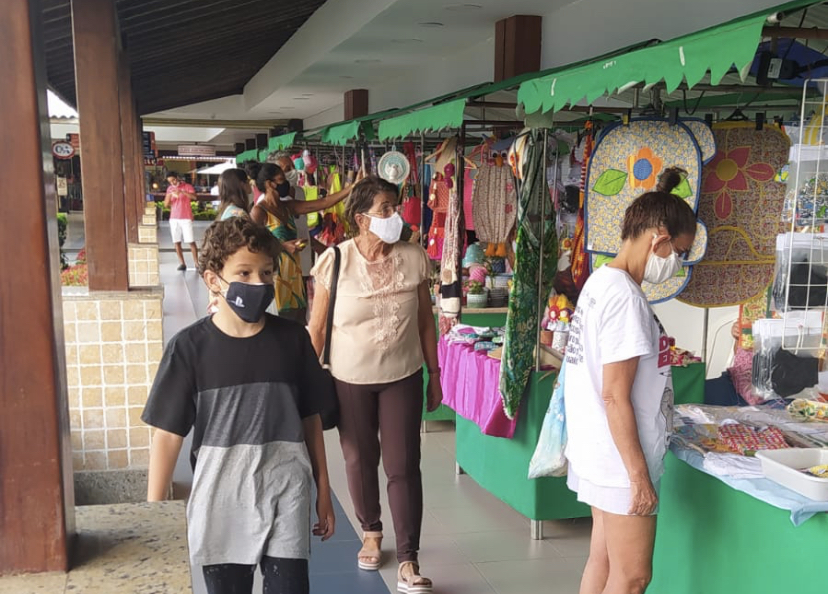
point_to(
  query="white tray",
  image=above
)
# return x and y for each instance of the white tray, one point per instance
(783, 467)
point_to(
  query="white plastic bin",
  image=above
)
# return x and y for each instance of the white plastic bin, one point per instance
(785, 467)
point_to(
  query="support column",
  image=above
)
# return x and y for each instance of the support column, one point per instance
(96, 77)
(133, 194)
(356, 103)
(517, 46)
(36, 492)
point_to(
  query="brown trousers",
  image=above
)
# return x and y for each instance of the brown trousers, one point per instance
(394, 411)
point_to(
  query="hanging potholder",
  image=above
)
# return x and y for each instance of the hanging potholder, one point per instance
(743, 205)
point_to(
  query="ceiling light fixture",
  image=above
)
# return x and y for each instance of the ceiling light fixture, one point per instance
(286, 107)
(307, 94)
(367, 61)
(412, 40)
(462, 7)
(345, 76)
(431, 25)
(300, 98)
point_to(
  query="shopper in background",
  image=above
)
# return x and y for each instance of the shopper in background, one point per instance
(283, 160)
(233, 194)
(278, 212)
(383, 331)
(252, 169)
(178, 197)
(618, 391)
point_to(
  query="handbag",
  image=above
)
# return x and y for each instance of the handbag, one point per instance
(329, 410)
(549, 459)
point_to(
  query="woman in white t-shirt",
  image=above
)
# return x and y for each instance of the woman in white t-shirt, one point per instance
(618, 392)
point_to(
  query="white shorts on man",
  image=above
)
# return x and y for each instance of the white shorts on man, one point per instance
(181, 230)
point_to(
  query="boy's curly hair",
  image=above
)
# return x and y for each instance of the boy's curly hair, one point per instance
(225, 238)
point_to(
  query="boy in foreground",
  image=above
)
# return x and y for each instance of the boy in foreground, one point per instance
(248, 383)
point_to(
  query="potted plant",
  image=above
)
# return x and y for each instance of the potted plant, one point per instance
(477, 296)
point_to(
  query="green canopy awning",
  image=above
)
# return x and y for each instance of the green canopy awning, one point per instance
(686, 58)
(279, 143)
(443, 115)
(251, 155)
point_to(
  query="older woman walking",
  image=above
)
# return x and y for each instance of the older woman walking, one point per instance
(618, 392)
(383, 331)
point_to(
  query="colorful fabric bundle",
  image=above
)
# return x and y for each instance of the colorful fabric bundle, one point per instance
(745, 440)
(412, 204)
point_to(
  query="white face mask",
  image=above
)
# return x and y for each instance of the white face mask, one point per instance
(388, 230)
(292, 177)
(660, 270)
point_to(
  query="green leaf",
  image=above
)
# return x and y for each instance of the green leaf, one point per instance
(683, 190)
(610, 183)
(601, 260)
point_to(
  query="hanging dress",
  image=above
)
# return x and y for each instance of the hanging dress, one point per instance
(439, 198)
(494, 205)
(290, 287)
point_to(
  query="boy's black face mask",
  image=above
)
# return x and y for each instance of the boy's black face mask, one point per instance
(249, 301)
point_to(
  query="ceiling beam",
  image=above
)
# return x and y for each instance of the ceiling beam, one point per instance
(795, 32)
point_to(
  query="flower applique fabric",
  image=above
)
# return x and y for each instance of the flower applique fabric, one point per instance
(742, 205)
(626, 162)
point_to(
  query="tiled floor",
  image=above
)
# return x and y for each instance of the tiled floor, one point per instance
(472, 542)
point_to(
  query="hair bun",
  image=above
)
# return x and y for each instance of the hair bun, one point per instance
(670, 179)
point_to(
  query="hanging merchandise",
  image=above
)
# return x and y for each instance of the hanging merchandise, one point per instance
(549, 458)
(494, 204)
(536, 241)
(393, 167)
(742, 206)
(571, 284)
(440, 194)
(451, 291)
(626, 162)
(333, 225)
(412, 205)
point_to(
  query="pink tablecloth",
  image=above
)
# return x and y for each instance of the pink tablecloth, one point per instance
(470, 383)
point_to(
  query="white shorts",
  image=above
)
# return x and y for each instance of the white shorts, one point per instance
(613, 500)
(181, 230)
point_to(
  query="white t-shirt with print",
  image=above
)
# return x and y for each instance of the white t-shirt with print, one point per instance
(613, 322)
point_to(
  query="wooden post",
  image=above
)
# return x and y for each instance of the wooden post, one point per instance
(133, 192)
(517, 46)
(36, 491)
(356, 103)
(96, 78)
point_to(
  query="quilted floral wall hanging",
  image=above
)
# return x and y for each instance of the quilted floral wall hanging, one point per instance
(742, 204)
(626, 162)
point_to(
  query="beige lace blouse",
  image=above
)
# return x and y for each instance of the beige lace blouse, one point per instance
(375, 338)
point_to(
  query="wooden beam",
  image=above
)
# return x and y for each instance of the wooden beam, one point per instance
(96, 72)
(795, 32)
(36, 492)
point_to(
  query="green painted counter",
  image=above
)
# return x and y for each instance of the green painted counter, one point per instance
(713, 539)
(500, 465)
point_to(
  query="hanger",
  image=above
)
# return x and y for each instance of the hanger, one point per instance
(737, 116)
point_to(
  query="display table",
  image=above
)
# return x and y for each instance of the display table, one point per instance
(474, 317)
(713, 539)
(501, 465)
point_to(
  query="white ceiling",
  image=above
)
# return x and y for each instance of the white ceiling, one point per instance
(341, 48)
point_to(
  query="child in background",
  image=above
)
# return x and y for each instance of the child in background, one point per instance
(248, 384)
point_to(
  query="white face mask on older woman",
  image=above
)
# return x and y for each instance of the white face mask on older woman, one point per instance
(387, 229)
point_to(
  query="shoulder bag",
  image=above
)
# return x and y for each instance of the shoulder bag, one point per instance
(329, 411)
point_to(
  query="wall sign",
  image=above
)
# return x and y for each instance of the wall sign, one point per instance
(196, 150)
(63, 150)
(62, 186)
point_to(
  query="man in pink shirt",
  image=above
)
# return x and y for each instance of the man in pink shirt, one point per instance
(179, 195)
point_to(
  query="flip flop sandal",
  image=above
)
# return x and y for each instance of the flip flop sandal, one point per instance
(370, 559)
(413, 583)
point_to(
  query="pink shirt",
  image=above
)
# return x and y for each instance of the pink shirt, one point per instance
(180, 207)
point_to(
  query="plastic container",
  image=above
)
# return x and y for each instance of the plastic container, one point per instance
(801, 276)
(785, 467)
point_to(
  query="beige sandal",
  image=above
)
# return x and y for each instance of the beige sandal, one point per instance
(409, 580)
(370, 558)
